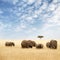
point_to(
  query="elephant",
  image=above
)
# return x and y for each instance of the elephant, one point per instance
(39, 46)
(9, 44)
(27, 44)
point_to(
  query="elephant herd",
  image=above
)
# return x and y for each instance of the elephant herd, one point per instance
(30, 44)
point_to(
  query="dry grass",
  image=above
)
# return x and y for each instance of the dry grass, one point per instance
(17, 53)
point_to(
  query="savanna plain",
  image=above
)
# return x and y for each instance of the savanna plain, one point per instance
(18, 53)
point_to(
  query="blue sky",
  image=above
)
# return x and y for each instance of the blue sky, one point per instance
(26, 19)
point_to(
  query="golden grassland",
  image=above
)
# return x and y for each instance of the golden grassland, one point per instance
(18, 53)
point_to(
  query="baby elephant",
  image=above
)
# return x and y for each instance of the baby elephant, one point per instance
(39, 46)
(9, 44)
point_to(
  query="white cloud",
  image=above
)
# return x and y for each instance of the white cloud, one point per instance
(11, 1)
(23, 26)
(15, 1)
(5, 26)
(52, 7)
(38, 2)
(40, 10)
(34, 29)
(2, 26)
(1, 11)
(56, 18)
(31, 30)
(35, 16)
(30, 19)
(20, 27)
(29, 1)
(55, 1)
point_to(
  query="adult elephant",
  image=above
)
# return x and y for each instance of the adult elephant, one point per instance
(9, 44)
(53, 44)
(27, 44)
(48, 45)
